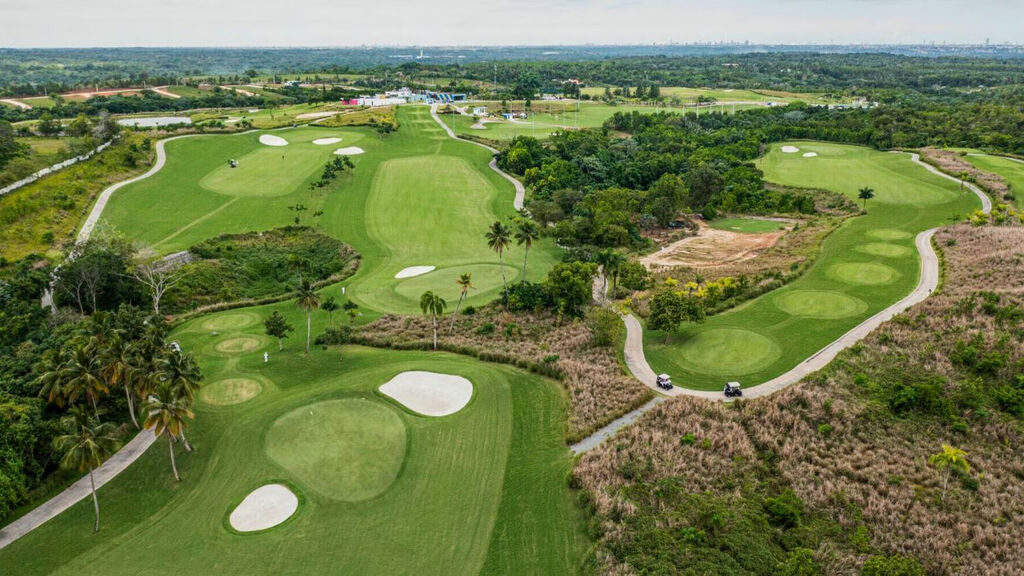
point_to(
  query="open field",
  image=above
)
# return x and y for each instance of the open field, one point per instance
(1011, 170)
(417, 198)
(867, 264)
(690, 95)
(480, 491)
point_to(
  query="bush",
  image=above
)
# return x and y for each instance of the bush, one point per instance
(895, 565)
(605, 326)
(784, 510)
(485, 329)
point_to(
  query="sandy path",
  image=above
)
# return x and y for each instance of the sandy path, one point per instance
(162, 90)
(520, 189)
(79, 490)
(239, 90)
(633, 351)
(16, 104)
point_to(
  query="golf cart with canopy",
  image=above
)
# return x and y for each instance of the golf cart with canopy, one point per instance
(732, 390)
(664, 382)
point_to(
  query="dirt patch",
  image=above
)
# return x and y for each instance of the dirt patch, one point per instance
(711, 248)
(317, 115)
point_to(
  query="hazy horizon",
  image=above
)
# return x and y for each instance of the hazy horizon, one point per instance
(323, 23)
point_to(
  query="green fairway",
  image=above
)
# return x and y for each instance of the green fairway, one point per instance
(381, 490)
(869, 263)
(417, 198)
(748, 225)
(1011, 170)
(549, 117)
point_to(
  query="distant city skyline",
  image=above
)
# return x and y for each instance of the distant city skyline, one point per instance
(71, 23)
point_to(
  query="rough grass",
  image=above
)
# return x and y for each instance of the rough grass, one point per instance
(58, 203)
(847, 446)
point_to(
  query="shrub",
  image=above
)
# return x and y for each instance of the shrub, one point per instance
(895, 565)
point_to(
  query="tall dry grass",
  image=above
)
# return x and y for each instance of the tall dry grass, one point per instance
(844, 453)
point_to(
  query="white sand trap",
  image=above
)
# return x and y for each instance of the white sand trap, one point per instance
(350, 151)
(811, 155)
(429, 393)
(414, 271)
(326, 141)
(264, 507)
(271, 140)
(316, 115)
(790, 149)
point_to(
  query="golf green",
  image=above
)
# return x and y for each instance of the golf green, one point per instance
(819, 304)
(728, 351)
(415, 198)
(869, 263)
(230, 321)
(381, 490)
(230, 391)
(347, 450)
(239, 345)
(863, 273)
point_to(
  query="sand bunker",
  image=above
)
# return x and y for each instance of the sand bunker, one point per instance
(811, 155)
(790, 149)
(414, 271)
(326, 141)
(316, 115)
(271, 140)
(350, 151)
(712, 247)
(429, 393)
(264, 507)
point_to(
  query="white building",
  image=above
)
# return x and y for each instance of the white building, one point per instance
(378, 101)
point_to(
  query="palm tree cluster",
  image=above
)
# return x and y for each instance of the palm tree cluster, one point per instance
(113, 351)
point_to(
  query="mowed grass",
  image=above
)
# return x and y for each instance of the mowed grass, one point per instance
(416, 198)
(381, 490)
(550, 117)
(867, 264)
(1010, 169)
(747, 225)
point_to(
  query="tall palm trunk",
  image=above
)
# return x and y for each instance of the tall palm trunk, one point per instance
(131, 406)
(174, 465)
(309, 329)
(525, 257)
(95, 503)
(433, 320)
(188, 447)
(501, 261)
(280, 345)
(456, 315)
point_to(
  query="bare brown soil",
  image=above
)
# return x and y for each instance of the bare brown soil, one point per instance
(712, 248)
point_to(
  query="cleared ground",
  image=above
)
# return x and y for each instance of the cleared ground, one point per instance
(381, 490)
(720, 243)
(417, 198)
(865, 265)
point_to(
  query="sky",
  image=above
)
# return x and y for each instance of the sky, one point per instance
(75, 23)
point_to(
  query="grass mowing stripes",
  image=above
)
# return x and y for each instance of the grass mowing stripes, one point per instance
(853, 266)
(482, 490)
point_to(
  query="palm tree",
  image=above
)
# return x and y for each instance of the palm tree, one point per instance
(866, 193)
(166, 415)
(498, 240)
(181, 373)
(465, 282)
(434, 305)
(308, 300)
(120, 364)
(952, 460)
(964, 175)
(85, 445)
(74, 373)
(614, 265)
(329, 305)
(526, 234)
